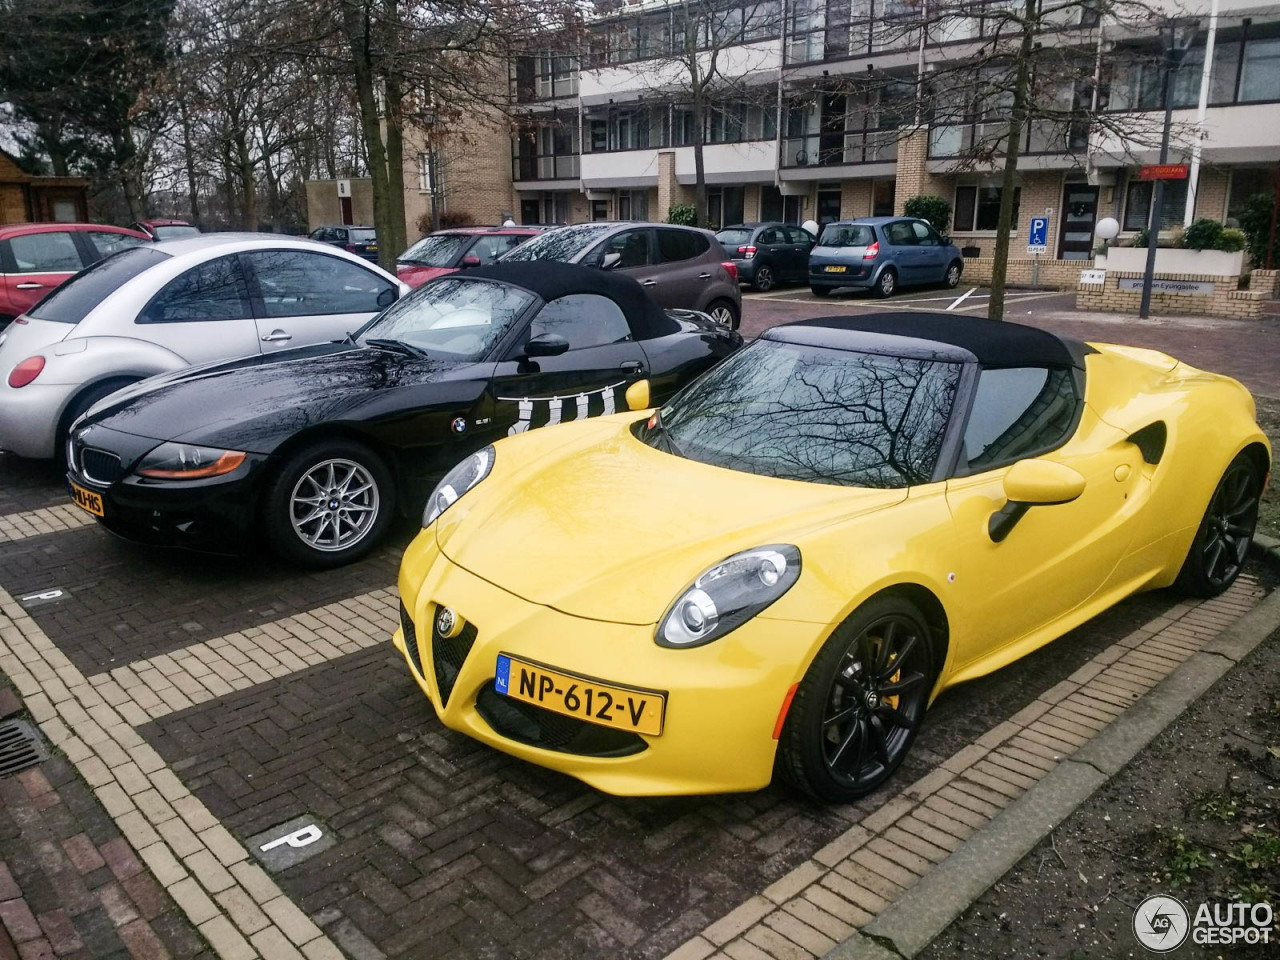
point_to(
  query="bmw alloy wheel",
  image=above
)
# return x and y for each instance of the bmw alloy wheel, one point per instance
(334, 505)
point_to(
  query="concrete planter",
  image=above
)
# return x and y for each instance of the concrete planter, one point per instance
(1217, 263)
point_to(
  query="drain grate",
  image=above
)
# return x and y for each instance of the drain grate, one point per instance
(20, 747)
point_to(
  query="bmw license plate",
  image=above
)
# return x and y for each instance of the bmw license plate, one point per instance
(832, 268)
(86, 499)
(606, 704)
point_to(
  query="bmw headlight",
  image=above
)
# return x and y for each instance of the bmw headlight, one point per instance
(185, 461)
(456, 482)
(728, 595)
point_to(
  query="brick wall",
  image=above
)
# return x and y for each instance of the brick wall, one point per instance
(670, 191)
(1226, 301)
(913, 179)
(1211, 194)
(855, 198)
(1052, 274)
(474, 170)
(1266, 282)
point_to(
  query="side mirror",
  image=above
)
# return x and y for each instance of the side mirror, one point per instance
(387, 297)
(470, 260)
(1033, 483)
(637, 395)
(546, 345)
(610, 260)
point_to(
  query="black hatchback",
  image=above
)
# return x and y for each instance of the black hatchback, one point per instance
(362, 241)
(767, 254)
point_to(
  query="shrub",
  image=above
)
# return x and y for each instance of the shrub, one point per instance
(683, 214)
(1204, 234)
(936, 210)
(1231, 240)
(456, 218)
(1255, 221)
(1140, 239)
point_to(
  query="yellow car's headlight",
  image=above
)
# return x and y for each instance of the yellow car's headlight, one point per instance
(457, 482)
(728, 595)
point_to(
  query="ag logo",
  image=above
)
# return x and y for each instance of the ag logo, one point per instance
(459, 425)
(1161, 923)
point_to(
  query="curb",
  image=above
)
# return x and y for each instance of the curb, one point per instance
(912, 921)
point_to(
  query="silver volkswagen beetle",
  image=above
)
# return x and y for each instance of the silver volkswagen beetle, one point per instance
(161, 307)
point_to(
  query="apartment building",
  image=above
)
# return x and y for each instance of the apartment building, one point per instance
(824, 122)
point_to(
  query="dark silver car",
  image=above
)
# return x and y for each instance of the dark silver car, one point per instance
(681, 267)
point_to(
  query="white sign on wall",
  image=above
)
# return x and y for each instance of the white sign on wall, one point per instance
(344, 188)
(1093, 277)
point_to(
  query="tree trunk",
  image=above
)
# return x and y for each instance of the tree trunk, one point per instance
(1017, 118)
(699, 164)
(397, 240)
(193, 191)
(356, 25)
(248, 189)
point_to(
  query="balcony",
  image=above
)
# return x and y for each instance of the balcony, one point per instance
(841, 149)
(1041, 137)
(545, 167)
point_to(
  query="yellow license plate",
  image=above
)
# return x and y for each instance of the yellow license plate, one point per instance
(606, 704)
(87, 500)
(372, 246)
(834, 269)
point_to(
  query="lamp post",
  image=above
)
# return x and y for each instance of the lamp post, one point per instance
(1178, 37)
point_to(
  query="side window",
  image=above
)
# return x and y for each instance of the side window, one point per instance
(108, 243)
(214, 290)
(925, 237)
(676, 245)
(768, 236)
(45, 253)
(490, 248)
(584, 319)
(297, 283)
(799, 235)
(900, 233)
(632, 245)
(1017, 413)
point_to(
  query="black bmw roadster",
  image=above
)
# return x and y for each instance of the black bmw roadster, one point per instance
(314, 449)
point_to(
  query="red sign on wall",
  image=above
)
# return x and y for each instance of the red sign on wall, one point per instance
(1163, 171)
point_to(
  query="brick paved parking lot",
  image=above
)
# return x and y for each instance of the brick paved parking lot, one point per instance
(206, 700)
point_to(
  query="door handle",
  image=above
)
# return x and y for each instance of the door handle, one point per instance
(704, 276)
(631, 366)
(277, 336)
(648, 283)
(31, 286)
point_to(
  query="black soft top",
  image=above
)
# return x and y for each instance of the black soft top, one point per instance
(550, 279)
(992, 343)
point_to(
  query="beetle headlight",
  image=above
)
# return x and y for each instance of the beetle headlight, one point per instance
(456, 482)
(728, 595)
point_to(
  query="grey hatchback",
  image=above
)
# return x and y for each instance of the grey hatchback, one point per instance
(882, 254)
(680, 267)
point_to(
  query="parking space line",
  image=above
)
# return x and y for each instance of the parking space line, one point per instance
(146, 690)
(962, 298)
(154, 810)
(968, 789)
(35, 523)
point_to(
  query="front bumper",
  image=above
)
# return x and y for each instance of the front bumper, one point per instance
(214, 515)
(723, 699)
(29, 417)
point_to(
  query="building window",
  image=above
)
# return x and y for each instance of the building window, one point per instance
(978, 207)
(633, 205)
(1247, 182)
(424, 172)
(1137, 204)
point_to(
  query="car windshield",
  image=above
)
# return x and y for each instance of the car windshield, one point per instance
(563, 244)
(364, 236)
(437, 251)
(733, 237)
(846, 235)
(175, 231)
(71, 302)
(455, 317)
(814, 414)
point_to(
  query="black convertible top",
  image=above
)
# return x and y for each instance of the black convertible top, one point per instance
(550, 279)
(992, 343)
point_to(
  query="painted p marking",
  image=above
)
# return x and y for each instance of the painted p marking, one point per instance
(289, 843)
(299, 838)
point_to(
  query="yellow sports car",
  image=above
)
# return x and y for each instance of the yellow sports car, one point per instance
(780, 569)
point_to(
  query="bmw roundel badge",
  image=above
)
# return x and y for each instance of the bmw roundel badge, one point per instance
(459, 425)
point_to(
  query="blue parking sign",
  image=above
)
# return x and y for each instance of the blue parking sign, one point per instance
(1038, 235)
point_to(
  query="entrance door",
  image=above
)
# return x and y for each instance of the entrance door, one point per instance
(882, 192)
(1079, 211)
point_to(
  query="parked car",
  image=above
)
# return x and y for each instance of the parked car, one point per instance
(767, 254)
(164, 306)
(458, 248)
(362, 241)
(681, 267)
(882, 254)
(317, 447)
(36, 257)
(777, 572)
(159, 230)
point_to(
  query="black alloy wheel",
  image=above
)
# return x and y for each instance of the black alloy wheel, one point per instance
(1222, 542)
(859, 707)
(764, 279)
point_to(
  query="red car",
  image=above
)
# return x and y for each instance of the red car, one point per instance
(158, 230)
(36, 257)
(456, 249)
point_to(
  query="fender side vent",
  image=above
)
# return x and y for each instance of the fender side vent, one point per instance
(1150, 440)
(20, 747)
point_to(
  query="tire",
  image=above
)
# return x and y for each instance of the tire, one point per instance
(820, 291)
(886, 283)
(1221, 543)
(764, 279)
(79, 404)
(725, 313)
(336, 535)
(814, 749)
(952, 278)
